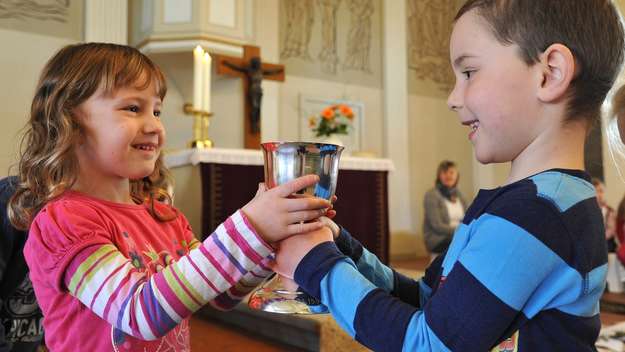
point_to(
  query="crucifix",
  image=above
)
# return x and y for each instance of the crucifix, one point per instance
(253, 71)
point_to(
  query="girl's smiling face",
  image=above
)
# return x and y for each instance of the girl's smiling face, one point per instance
(122, 134)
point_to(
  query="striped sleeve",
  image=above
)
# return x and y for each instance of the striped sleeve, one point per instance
(383, 277)
(502, 274)
(146, 305)
(231, 297)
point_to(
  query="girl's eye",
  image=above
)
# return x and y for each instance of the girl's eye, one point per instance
(467, 74)
(133, 108)
(157, 113)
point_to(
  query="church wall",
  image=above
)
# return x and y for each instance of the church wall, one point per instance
(23, 56)
(294, 87)
(435, 135)
(30, 34)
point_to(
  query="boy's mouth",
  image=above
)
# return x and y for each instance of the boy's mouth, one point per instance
(474, 125)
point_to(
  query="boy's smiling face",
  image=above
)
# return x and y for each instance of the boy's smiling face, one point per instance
(495, 91)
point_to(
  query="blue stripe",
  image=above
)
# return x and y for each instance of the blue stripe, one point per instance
(227, 253)
(315, 266)
(420, 337)
(562, 189)
(564, 289)
(379, 274)
(425, 292)
(519, 264)
(588, 306)
(157, 314)
(122, 309)
(342, 289)
(460, 240)
(576, 235)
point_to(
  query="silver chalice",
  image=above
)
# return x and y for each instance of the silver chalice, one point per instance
(285, 161)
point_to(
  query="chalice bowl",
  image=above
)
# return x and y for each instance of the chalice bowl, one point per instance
(285, 161)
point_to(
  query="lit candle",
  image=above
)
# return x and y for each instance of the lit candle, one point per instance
(206, 83)
(198, 52)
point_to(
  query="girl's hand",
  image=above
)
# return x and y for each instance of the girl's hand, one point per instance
(275, 215)
(331, 213)
(292, 250)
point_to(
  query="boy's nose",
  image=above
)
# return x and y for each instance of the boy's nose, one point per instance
(453, 101)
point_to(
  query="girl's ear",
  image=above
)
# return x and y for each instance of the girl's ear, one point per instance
(559, 68)
(77, 116)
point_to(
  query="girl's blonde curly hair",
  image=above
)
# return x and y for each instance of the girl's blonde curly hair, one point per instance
(48, 165)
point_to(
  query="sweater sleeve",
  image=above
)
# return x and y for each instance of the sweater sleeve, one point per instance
(405, 288)
(495, 279)
(148, 305)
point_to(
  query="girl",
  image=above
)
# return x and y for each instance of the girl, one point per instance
(114, 267)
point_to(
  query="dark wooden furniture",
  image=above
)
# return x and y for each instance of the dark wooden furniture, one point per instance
(362, 207)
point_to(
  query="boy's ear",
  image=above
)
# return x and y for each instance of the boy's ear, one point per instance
(558, 70)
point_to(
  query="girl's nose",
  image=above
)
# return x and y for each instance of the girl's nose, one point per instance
(152, 124)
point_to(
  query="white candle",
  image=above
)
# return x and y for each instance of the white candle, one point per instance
(206, 82)
(198, 52)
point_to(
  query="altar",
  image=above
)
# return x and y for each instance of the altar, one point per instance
(213, 183)
(226, 179)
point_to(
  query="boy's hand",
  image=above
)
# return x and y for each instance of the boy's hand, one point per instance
(275, 216)
(292, 250)
(331, 225)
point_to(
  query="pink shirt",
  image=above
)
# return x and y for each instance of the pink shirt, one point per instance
(110, 277)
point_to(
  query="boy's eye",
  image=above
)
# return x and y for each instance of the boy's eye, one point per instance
(467, 74)
(157, 113)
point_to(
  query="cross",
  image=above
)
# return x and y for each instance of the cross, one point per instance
(253, 71)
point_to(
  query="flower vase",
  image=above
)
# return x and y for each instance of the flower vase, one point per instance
(333, 139)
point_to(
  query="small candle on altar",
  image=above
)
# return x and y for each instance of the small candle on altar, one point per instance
(206, 82)
(198, 52)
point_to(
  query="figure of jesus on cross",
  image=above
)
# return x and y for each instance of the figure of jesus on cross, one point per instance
(253, 71)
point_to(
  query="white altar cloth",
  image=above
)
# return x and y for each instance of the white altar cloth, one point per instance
(255, 157)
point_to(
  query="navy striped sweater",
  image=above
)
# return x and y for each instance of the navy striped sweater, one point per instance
(524, 272)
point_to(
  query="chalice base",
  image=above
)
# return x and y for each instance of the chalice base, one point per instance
(275, 297)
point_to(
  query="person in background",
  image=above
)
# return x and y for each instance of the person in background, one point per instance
(620, 231)
(444, 207)
(615, 131)
(609, 216)
(21, 325)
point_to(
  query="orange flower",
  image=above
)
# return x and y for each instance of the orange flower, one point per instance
(327, 114)
(347, 111)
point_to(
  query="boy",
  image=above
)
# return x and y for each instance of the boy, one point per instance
(527, 266)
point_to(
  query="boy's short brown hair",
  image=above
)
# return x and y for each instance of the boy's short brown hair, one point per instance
(591, 29)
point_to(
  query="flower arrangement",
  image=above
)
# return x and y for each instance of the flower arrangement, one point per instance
(335, 119)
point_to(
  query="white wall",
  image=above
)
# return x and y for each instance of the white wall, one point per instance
(23, 57)
(435, 135)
